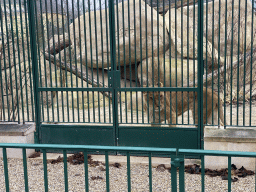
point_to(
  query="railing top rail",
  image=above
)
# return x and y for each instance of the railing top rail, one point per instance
(199, 152)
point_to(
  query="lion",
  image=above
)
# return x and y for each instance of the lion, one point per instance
(152, 73)
(176, 103)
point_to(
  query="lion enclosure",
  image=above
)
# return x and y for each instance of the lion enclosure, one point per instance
(93, 64)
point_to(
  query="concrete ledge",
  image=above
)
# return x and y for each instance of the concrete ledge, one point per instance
(230, 135)
(231, 139)
(16, 129)
(17, 133)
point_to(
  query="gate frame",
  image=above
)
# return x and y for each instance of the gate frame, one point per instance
(115, 74)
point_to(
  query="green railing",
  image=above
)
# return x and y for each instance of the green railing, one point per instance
(94, 64)
(177, 163)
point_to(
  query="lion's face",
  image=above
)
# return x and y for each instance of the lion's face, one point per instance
(159, 100)
(156, 100)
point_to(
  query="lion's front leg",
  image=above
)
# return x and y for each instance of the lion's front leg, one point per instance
(171, 116)
(154, 119)
(173, 120)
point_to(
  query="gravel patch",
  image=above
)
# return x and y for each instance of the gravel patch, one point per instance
(118, 178)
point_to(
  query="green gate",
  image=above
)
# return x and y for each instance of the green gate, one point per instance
(93, 72)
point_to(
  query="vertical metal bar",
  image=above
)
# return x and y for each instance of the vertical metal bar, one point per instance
(65, 170)
(97, 64)
(63, 73)
(108, 66)
(60, 76)
(85, 51)
(206, 56)
(225, 65)
(200, 74)
(93, 102)
(81, 65)
(164, 67)
(74, 33)
(150, 171)
(70, 60)
(170, 61)
(238, 58)
(90, 32)
(113, 68)
(45, 171)
(213, 56)
(218, 62)
(245, 62)
(252, 42)
(38, 49)
(85, 35)
(188, 72)
(202, 173)
(86, 171)
(181, 177)
(107, 171)
(231, 62)
(124, 58)
(142, 100)
(176, 68)
(34, 66)
(146, 32)
(229, 173)
(158, 71)
(55, 67)
(6, 170)
(25, 168)
(49, 63)
(44, 62)
(128, 171)
(174, 178)
(2, 56)
(182, 98)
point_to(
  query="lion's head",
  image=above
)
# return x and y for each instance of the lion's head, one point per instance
(155, 99)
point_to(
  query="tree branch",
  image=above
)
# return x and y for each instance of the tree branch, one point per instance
(83, 75)
(208, 77)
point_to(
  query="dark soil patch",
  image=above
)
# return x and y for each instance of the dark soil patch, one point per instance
(242, 172)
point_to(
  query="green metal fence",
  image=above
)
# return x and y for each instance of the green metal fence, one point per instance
(177, 167)
(85, 63)
(72, 71)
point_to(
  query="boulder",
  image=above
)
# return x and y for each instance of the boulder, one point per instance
(178, 72)
(229, 25)
(228, 29)
(184, 37)
(139, 31)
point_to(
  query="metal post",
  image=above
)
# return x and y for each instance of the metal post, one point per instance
(177, 161)
(114, 73)
(32, 32)
(200, 74)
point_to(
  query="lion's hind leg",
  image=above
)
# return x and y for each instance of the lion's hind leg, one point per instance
(218, 117)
